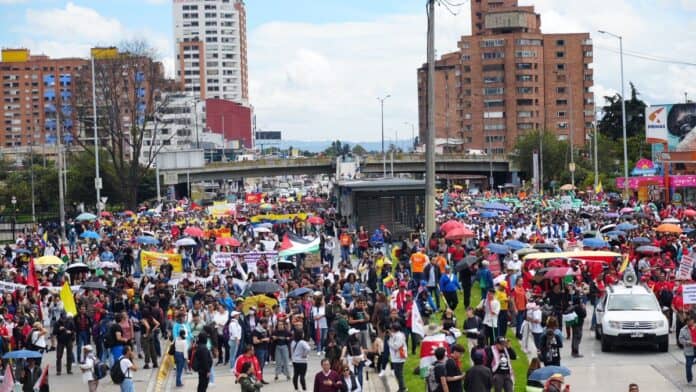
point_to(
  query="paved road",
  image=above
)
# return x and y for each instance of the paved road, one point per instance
(613, 371)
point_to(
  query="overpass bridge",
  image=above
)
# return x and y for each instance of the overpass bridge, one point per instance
(370, 165)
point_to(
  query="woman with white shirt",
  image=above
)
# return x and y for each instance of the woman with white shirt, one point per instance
(299, 352)
(220, 318)
(350, 382)
(180, 355)
(235, 331)
(88, 368)
(320, 323)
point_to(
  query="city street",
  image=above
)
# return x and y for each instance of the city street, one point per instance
(615, 370)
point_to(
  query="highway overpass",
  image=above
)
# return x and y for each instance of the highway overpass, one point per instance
(371, 165)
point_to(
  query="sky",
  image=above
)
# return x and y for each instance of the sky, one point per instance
(316, 67)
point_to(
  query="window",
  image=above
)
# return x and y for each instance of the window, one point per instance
(560, 67)
(525, 53)
(563, 125)
(493, 103)
(466, 57)
(525, 102)
(495, 138)
(491, 43)
(524, 65)
(588, 53)
(493, 79)
(528, 42)
(561, 114)
(492, 55)
(493, 114)
(493, 127)
(560, 90)
(561, 102)
(525, 126)
(525, 90)
(524, 78)
(493, 90)
(560, 55)
(525, 113)
(493, 67)
(560, 42)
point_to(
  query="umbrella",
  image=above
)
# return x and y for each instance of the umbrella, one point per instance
(450, 225)
(89, 234)
(489, 214)
(315, 220)
(194, 231)
(556, 272)
(106, 214)
(186, 241)
(459, 233)
(262, 230)
(607, 228)
(285, 264)
(626, 226)
(109, 265)
(615, 233)
(690, 213)
(496, 207)
(648, 249)
(567, 187)
(515, 244)
(525, 251)
(75, 267)
(641, 240)
(22, 354)
(668, 228)
(264, 287)
(626, 210)
(595, 243)
(266, 207)
(86, 216)
(257, 300)
(544, 373)
(23, 251)
(227, 241)
(48, 260)
(299, 292)
(545, 247)
(499, 248)
(467, 262)
(611, 215)
(147, 240)
(94, 285)
(671, 220)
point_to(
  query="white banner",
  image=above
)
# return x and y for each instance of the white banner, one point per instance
(689, 293)
(227, 259)
(685, 268)
(8, 287)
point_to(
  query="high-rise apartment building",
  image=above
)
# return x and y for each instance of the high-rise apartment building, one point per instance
(34, 90)
(508, 78)
(211, 48)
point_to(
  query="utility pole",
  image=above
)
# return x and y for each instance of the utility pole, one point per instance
(430, 142)
(541, 162)
(97, 178)
(570, 131)
(596, 167)
(31, 170)
(384, 155)
(59, 162)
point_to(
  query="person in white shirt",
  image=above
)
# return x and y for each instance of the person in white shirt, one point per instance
(398, 353)
(88, 368)
(220, 318)
(180, 355)
(534, 319)
(127, 367)
(235, 332)
(320, 324)
(491, 308)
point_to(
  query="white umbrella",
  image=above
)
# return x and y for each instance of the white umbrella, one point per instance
(109, 265)
(261, 230)
(671, 220)
(186, 241)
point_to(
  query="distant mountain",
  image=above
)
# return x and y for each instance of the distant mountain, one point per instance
(319, 146)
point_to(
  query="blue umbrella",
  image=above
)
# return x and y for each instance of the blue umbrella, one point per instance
(626, 226)
(544, 373)
(641, 241)
(595, 243)
(496, 207)
(86, 216)
(461, 214)
(23, 251)
(648, 249)
(515, 244)
(147, 240)
(92, 235)
(611, 215)
(615, 233)
(299, 292)
(499, 249)
(489, 214)
(22, 354)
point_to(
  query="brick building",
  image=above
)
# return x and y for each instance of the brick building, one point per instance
(232, 120)
(508, 78)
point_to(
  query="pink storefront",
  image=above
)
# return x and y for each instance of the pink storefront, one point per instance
(682, 187)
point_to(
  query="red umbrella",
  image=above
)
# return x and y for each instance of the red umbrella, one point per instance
(558, 272)
(106, 214)
(315, 220)
(450, 225)
(690, 213)
(227, 241)
(458, 233)
(193, 231)
(128, 212)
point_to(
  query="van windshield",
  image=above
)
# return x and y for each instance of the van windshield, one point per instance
(623, 302)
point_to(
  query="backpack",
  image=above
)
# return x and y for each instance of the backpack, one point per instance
(117, 375)
(483, 353)
(110, 337)
(431, 380)
(100, 369)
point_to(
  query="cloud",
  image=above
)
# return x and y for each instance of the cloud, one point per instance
(12, 1)
(72, 30)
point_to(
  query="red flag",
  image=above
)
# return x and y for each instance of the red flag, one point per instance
(63, 251)
(285, 244)
(43, 380)
(31, 277)
(8, 382)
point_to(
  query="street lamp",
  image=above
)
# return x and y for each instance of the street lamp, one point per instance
(384, 156)
(413, 135)
(14, 216)
(623, 109)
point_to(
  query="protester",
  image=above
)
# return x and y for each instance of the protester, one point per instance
(327, 380)
(479, 378)
(398, 352)
(87, 368)
(180, 355)
(246, 379)
(203, 363)
(502, 355)
(300, 350)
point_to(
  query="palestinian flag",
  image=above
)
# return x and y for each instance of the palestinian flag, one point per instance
(427, 351)
(295, 245)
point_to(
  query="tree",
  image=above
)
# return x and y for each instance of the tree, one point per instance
(611, 123)
(555, 155)
(359, 150)
(127, 93)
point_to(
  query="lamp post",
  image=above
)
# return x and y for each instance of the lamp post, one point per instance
(97, 178)
(413, 135)
(384, 155)
(623, 109)
(14, 217)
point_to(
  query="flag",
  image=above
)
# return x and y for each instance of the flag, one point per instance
(427, 351)
(417, 325)
(538, 222)
(31, 277)
(66, 296)
(598, 188)
(297, 245)
(624, 264)
(7, 382)
(43, 380)
(63, 251)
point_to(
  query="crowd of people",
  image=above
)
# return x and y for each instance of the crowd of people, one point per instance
(245, 291)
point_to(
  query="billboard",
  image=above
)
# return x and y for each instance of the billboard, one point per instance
(672, 124)
(267, 135)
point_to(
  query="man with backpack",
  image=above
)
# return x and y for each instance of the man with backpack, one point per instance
(122, 371)
(90, 368)
(436, 381)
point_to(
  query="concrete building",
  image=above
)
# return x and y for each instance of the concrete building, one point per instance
(508, 78)
(230, 119)
(33, 88)
(211, 48)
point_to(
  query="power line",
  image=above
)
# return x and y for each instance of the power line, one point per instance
(648, 57)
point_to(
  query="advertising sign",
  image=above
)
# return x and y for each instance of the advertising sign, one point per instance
(671, 124)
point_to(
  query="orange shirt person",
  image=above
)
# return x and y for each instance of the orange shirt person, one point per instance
(418, 262)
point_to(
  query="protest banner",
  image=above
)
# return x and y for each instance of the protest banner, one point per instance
(689, 293)
(158, 258)
(685, 267)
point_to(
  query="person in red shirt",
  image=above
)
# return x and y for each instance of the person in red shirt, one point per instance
(327, 380)
(248, 356)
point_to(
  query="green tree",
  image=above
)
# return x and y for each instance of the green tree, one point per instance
(611, 123)
(359, 150)
(555, 155)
